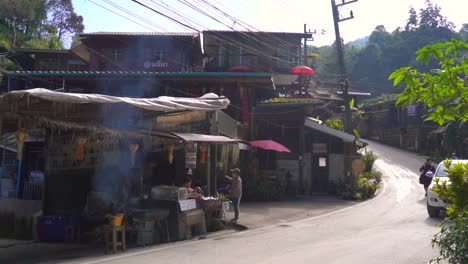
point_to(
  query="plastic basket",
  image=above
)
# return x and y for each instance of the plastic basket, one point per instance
(117, 220)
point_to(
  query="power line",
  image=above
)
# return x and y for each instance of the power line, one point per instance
(166, 16)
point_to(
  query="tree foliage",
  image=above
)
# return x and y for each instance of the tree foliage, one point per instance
(64, 18)
(37, 23)
(442, 89)
(368, 67)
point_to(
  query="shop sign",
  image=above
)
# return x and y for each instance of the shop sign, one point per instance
(191, 156)
(155, 64)
(186, 205)
(411, 110)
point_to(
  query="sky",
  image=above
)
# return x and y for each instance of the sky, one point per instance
(265, 15)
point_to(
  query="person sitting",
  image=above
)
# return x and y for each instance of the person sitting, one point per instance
(193, 193)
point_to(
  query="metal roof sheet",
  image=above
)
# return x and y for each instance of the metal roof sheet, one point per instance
(137, 74)
(310, 123)
(137, 34)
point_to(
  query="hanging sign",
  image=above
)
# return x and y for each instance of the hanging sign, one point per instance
(191, 156)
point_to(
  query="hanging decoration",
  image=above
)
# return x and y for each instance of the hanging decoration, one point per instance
(191, 155)
(21, 137)
(133, 149)
(202, 154)
(80, 147)
(170, 152)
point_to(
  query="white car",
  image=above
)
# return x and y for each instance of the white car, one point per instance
(434, 203)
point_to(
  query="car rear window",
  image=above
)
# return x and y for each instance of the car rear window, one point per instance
(441, 171)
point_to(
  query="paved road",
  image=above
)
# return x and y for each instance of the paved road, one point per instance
(392, 228)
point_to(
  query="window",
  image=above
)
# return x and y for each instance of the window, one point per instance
(49, 65)
(75, 65)
(287, 56)
(115, 55)
(160, 55)
(221, 55)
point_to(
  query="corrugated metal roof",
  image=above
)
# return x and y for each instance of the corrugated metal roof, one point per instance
(136, 34)
(310, 123)
(26, 50)
(137, 73)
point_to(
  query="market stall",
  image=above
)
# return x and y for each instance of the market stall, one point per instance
(95, 189)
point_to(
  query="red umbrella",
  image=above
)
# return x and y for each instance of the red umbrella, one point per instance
(239, 68)
(302, 70)
(269, 145)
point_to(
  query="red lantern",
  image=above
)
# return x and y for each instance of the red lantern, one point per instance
(202, 155)
(80, 148)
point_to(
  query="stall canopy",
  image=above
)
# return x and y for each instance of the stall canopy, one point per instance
(208, 102)
(190, 137)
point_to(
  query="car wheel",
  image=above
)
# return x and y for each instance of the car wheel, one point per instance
(433, 211)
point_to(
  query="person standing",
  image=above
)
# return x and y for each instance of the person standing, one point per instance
(423, 179)
(236, 192)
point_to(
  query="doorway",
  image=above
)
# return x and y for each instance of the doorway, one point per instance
(319, 173)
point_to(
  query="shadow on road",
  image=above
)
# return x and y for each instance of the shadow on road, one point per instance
(422, 201)
(434, 221)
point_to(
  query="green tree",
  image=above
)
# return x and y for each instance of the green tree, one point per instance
(442, 89)
(412, 21)
(64, 18)
(464, 32)
(37, 23)
(387, 51)
(430, 17)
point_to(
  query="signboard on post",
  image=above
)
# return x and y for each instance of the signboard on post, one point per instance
(191, 156)
(358, 166)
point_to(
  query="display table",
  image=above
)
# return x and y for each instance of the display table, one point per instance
(183, 216)
(195, 219)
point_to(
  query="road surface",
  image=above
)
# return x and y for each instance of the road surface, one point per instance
(391, 228)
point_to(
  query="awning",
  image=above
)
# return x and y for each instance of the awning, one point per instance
(190, 137)
(310, 123)
(208, 102)
(439, 130)
(8, 140)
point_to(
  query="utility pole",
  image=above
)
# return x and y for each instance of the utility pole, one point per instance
(308, 36)
(343, 81)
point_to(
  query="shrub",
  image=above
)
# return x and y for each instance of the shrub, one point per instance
(369, 158)
(373, 175)
(452, 240)
(335, 124)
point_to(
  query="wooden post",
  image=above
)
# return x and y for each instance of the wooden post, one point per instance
(3, 141)
(300, 180)
(208, 169)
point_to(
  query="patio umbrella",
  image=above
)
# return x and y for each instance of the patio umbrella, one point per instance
(239, 68)
(269, 145)
(302, 70)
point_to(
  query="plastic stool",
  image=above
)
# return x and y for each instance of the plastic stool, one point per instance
(72, 233)
(111, 238)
